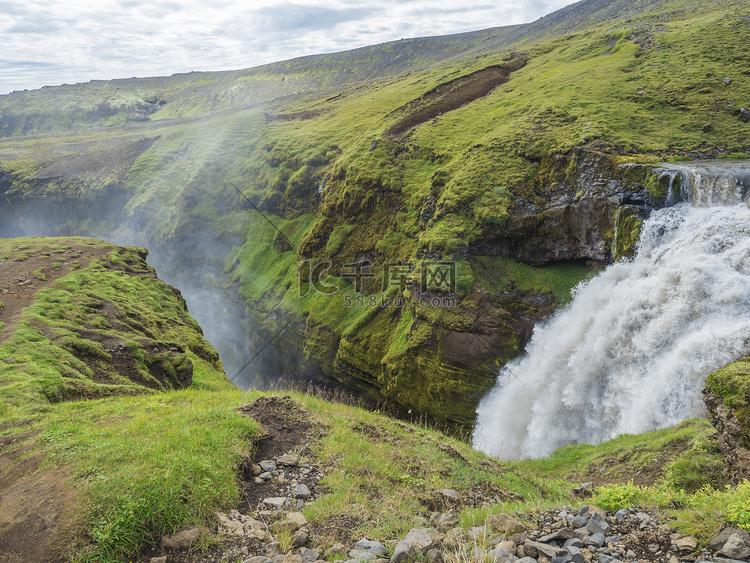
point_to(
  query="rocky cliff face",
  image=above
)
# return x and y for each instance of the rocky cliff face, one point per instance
(727, 398)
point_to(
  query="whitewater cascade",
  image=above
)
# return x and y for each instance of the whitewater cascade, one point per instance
(632, 351)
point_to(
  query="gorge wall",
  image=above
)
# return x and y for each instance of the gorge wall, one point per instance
(520, 159)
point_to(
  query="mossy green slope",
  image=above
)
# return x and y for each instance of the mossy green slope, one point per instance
(106, 325)
(484, 184)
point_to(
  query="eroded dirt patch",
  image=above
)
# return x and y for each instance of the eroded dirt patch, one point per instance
(38, 508)
(452, 95)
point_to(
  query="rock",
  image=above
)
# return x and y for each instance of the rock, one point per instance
(420, 539)
(362, 556)
(621, 514)
(507, 545)
(589, 510)
(569, 555)
(257, 559)
(548, 550)
(300, 537)
(277, 503)
(272, 549)
(744, 115)
(526, 560)
(498, 555)
(301, 491)
(292, 558)
(582, 534)
(404, 551)
(445, 522)
(718, 541)
(372, 546)
(162, 559)
(579, 522)
(450, 494)
(614, 540)
(309, 555)
(561, 534)
(265, 476)
(727, 80)
(527, 550)
(585, 490)
(604, 558)
(288, 460)
(505, 524)
(181, 540)
(268, 465)
(574, 542)
(227, 526)
(292, 522)
(724, 560)
(435, 556)
(598, 524)
(735, 548)
(596, 540)
(686, 544)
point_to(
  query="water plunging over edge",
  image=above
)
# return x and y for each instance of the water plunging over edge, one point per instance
(632, 351)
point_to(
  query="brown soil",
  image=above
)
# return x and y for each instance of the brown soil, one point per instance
(38, 508)
(452, 95)
(286, 427)
(21, 278)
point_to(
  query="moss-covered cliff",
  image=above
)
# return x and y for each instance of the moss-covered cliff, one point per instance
(517, 158)
(81, 318)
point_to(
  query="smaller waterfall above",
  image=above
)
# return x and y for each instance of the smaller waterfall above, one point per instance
(701, 183)
(633, 349)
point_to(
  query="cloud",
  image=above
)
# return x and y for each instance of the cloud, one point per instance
(72, 40)
(286, 18)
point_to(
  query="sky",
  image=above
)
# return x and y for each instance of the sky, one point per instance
(53, 42)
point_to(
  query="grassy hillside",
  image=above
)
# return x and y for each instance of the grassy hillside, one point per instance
(387, 154)
(118, 425)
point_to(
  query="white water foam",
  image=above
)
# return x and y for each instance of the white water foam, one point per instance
(633, 349)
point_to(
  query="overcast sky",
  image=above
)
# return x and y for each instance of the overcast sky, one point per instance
(48, 42)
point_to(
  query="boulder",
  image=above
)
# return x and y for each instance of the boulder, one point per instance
(686, 544)
(181, 540)
(598, 524)
(277, 503)
(449, 494)
(717, 542)
(505, 524)
(744, 115)
(735, 547)
(300, 537)
(420, 539)
(561, 535)
(288, 460)
(268, 465)
(404, 551)
(371, 546)
(301, 491)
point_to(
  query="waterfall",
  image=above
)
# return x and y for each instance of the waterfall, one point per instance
(632, 350)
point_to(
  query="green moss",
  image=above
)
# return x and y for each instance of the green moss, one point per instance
(337, 239)
(627, 232)
(732, 384)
